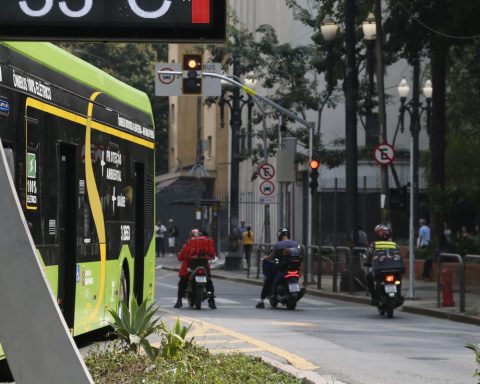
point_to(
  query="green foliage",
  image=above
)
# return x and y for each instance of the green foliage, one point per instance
(193, 365)
(476, 349)
(134, 325)
(174, 340)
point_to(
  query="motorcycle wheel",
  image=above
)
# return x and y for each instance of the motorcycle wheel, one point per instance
(273, 302)
(191, 296)
(291, 303)
(389, 310)
(381, 310)
(199, 297)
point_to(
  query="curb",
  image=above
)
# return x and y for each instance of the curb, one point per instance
(359, 300)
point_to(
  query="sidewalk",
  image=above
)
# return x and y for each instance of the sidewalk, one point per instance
(424, 303)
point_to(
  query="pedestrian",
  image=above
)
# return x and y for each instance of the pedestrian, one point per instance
(447, 232)
(423, 240)
(172, 232)
(160, 230)
(443, 246)
(362, 238)
(248, 240)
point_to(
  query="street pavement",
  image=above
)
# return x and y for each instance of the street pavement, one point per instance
(423, 303)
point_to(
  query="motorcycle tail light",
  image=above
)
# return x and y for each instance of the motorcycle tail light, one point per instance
(389, 278)
(200, 272)
(397, 282)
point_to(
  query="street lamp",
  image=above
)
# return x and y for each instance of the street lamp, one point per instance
(329, 31)
(415, 109)
(235, 102)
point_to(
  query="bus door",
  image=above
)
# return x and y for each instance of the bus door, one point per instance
(68, 230)
(139, 197)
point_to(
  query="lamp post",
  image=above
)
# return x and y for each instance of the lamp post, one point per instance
(415, 110)
(235, 102)
(329, 31)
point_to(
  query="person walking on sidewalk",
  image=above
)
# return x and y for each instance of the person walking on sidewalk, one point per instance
(248, 240)
(172, 232)
(269, 268)
(160, 230)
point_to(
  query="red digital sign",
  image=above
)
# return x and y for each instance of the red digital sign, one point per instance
(114, 20)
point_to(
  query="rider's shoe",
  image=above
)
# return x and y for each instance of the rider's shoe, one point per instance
(178, 304)
(211, 303)
(260, 304)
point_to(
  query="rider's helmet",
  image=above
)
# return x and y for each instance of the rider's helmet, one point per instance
(195, 233)
(283, 232)
(382, 232)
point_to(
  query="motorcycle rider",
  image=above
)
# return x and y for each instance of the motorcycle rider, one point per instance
(383, 242)
(185, 255)
(269, 267)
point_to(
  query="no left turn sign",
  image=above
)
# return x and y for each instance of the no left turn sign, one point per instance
(384, 154)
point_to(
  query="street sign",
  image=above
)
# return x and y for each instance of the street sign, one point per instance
(384, 154)
(171, 85)
(198, 21)
(266, 171)
(166, 84)
(267, 188)
(212, 86)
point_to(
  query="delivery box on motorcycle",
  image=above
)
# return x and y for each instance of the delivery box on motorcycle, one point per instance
(387, 260)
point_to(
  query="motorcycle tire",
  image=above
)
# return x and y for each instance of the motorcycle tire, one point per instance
(191, 296)
(389, 310)
(199, 296)
(291, 303)
(273, 302)
(381, 310)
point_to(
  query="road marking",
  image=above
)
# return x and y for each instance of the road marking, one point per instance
(293, 324)
(294, 360)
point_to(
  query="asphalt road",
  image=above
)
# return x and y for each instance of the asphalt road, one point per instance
(346, 342)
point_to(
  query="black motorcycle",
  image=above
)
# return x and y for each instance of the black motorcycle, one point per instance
(286, 288)
(387, 272)
(196, 291)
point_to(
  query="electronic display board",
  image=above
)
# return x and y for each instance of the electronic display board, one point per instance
(113, 20)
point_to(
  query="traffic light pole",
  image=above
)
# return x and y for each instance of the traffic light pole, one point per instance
(309, 125)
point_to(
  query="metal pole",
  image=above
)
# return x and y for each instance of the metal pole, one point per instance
(351, 90)
(235, 123)
(311, 127)
(411, 238)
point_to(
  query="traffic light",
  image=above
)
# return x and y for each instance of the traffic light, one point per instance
(192, 74)
(314, 164)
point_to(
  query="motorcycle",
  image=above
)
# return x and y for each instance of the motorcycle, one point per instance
(286, 288)
(196, 291)
(388, 269)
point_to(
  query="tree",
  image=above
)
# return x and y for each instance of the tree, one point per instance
(133, 64)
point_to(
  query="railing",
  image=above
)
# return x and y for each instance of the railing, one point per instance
(259, 248)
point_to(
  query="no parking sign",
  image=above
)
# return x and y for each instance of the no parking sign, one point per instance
(384, 154)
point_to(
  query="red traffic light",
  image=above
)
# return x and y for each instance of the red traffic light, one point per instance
(314, 164)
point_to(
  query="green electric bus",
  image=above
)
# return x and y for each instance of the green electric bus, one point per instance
(80, 149)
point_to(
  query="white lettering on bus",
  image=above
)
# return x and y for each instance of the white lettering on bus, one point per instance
(114, 174)
(125, 233)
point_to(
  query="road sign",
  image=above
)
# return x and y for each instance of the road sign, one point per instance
(266, 171)
(171, 85)
(267, 188)
(165, 84)
(212, 86)
(384, 154)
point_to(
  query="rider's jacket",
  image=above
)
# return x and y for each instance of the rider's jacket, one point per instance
(200, 246)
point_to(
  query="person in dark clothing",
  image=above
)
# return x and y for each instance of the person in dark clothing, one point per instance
(269, 268)
(443, 246)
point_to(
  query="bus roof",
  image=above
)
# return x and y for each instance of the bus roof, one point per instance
(73, 67)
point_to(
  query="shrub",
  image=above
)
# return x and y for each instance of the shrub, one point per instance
(134, 325)
(476, 350)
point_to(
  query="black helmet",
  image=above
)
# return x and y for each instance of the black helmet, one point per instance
(283, 232)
